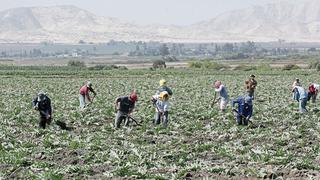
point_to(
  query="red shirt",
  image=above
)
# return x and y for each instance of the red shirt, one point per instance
(312, 89)
(84, 90)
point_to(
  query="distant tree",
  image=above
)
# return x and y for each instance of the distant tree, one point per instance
(35, 52)
(248, 47)
(137, 48)
(217, 48)
(116, 53)
(312, 49)
(164, 50)
(170, 58)
(75, 63)
(228, 47)
(159, 64)
(174, 49)
(81, 42)
(4, 54)
(112, 42)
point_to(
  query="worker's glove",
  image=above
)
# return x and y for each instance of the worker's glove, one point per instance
(35, 107)
(48, 116)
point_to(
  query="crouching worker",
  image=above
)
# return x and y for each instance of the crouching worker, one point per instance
(42, 103)
(313, 92)
(303, 98)
(124, 106)
(245, 109)
(161, 103)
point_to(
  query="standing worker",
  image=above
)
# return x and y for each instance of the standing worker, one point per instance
(251, 85)
(163, 87)
(42, 103)
(295, 92)
(224, 97)
(313, 92)
(245, 109)
(84, 94)
(303, 98)
(162, 107)
(124, 106)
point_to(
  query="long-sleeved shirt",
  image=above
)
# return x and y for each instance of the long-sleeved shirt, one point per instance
(164, 88)
(161, 104)
(313, 88)
(126, 106)
(244, 109)
(43, 105)
(302, 92)
(222, 90)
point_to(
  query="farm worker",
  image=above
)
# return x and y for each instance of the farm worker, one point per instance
(313, 92)
(295, 92)
(251, 84)
(303, 97)
(245, 109)
(161, 103)
(84, 94)
(163, 87)
(124, 106)
(222, 90)
(42, 103)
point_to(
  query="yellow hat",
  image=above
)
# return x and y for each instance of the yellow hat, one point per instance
(163, 95)
(162, 82)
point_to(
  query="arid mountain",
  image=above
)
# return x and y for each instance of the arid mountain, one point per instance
(290, 20)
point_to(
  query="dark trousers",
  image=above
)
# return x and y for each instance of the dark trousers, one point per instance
(165, 116)
(242, 120)
(121, 116)
(312, 96)
(43, 121)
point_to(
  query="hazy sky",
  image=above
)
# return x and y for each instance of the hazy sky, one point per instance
(180, 12)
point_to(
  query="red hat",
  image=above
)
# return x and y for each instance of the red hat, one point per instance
(133, 97)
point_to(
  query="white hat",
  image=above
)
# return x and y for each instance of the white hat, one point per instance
(89, 84)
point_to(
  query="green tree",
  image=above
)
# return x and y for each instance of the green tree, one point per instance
(164, 50)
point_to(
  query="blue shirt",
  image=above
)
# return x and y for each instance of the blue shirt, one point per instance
(243, 108)
(303, 94)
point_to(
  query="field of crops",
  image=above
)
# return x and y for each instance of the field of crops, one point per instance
(199, 142)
